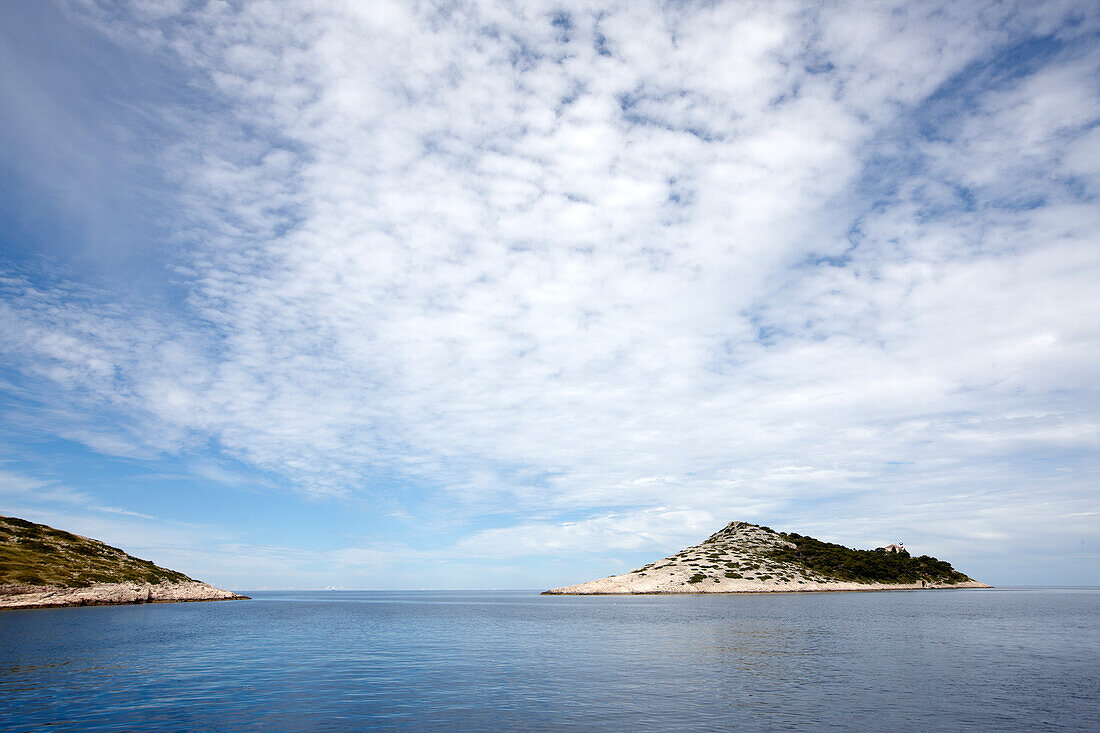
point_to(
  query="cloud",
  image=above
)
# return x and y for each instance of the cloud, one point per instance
(610, 533)
(752, 257)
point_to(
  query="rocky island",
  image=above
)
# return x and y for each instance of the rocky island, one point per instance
(43, 567)
(748, 558)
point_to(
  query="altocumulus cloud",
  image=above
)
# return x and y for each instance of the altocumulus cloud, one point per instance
(615, 273)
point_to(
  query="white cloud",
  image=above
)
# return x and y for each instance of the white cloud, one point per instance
(580, 276)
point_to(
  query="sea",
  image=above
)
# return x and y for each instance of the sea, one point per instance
(1008, 659)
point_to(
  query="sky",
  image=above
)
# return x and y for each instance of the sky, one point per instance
(516, 295)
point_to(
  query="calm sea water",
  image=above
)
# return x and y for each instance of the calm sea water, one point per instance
(1012, 660)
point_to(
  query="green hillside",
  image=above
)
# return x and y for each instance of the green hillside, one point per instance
(863, 566)
(34, 554)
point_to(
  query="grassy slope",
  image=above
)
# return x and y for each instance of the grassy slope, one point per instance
(34, 554)
(864, 566)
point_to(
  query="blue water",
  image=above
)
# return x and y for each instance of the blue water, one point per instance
(1001, 660)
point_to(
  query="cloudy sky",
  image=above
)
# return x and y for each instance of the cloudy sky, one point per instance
(469, 295)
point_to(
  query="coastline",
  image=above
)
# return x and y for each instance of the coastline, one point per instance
(624, 585)
(112, 594)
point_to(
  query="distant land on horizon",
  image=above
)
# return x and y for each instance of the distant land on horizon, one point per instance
(43, 567)
(749, 558)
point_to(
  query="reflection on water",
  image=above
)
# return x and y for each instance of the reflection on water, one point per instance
(943, 660)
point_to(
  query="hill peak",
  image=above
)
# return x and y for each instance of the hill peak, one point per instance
(744, 557)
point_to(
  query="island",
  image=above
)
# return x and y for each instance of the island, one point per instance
(43, 567)
(749, 558)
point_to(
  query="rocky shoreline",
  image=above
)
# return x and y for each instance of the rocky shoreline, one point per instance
(109, 594)
(621, 586)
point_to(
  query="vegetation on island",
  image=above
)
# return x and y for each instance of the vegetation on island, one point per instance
(863, 566)
(35, 554)
(745, 557)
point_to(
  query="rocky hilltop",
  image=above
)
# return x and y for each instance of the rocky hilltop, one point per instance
(42, 567)
(748, 558)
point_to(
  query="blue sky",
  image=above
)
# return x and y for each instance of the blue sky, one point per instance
(477, 295)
